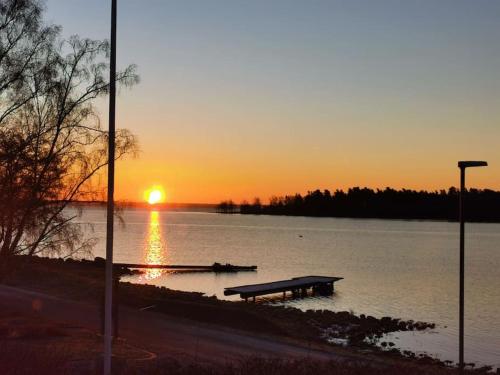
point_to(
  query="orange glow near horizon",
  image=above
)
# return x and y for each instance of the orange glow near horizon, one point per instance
(210, 183)
(206, 179)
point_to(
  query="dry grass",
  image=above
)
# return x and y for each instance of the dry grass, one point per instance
(21, 360)
(262, 366)
(32, 345)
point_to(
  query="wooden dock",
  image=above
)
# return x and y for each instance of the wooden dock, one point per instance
(298, 286)
(216, 267)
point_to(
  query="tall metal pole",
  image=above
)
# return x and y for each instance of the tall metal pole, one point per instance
(462, 165)
(108, 319)
(462, 271)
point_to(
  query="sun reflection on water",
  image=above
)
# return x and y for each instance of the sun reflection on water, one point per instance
(155, 248)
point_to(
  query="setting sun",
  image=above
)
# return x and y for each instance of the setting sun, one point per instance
(154, 195)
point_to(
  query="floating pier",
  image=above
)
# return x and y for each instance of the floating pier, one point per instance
(216, 267)
(298, 286)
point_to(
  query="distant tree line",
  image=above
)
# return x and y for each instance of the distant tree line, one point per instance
(481, 205)
(227, 207)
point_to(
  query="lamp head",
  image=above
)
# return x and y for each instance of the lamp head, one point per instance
(466, 164)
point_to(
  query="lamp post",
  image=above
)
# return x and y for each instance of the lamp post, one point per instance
(462, 165)
(108, 297)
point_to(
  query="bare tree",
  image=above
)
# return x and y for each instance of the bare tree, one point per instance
(25, 48)
(51, 144)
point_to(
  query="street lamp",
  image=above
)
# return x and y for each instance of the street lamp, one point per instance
(462, 165)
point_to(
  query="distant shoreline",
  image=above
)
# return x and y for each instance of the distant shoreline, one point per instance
(437, 220)
(212, 208)
(201, 207)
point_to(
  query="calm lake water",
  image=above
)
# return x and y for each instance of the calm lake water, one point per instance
(405, 269)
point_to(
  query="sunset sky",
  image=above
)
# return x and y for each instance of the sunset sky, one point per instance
(267, 97)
